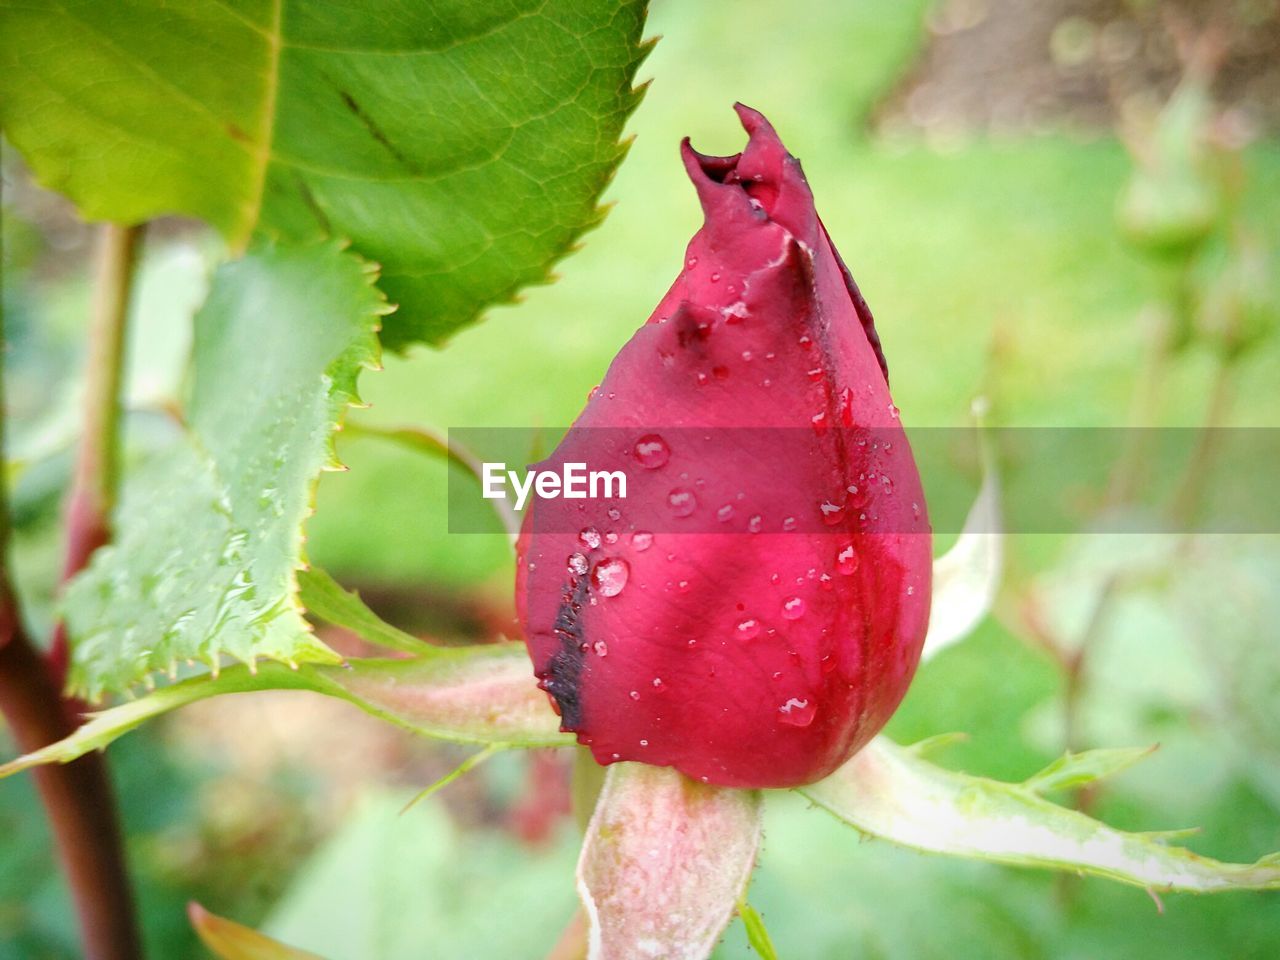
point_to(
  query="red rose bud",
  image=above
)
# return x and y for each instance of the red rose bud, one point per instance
(753, 610)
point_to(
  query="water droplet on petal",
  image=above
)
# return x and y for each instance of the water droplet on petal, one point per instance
(610, 576)
(610, 538)
(589, 537)
(755, 524)
(577, 564)
(635, 694)
(793, 608)
(601, 648)
(832, 513)
(748, 629)
(615, 513)
(846, 407)
(682, 502)
(847, 560)
(819, 421)
(658, 685)
(651, 451)
(789, 524)
(797, 712)
(725, 513)
(642, 540)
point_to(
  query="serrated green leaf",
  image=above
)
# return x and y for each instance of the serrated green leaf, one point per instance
(888, 792)
(483, 694)
(462, 145)
(210, 532)
(232, 941)
(325, 598)
(1077, 769)
(664, 863)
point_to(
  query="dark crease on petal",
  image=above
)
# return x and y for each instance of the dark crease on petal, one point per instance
(563, 673)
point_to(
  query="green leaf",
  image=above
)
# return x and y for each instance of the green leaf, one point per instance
(210, 532)
(462, 145)
(757, 932)
(1077, 769)
(325, 598)
(229, 940)
(889, 792)
(664, 863)
(482, 694)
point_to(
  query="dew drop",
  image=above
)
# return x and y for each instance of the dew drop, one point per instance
(847, 560)
(691, 262)
(610, 538)
(615, 513)
(658, 685)
(642, 540)
(610, 576)
(601, 648)
(644, 743)
(911, 591)
(651, 451)
(682, 586)
(747, 355)
(589, 537)
(894, 412)
(846, 407)
(748, 629)
(816, 374)
(755, 524)
(793, 608)
(832, 513)
(819, 421)
(577, 564)
(715, 278)
(789, 524)
(682, 502)
(725, 513)
(805, 342)
(797, 712)
(635, 694)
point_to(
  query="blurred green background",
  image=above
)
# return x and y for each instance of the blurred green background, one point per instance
(992, 256)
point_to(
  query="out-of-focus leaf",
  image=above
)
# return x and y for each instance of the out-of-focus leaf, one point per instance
(966, 577)
(466, 694)
(462, 145)
(429, 889)
(209, 536)
(231, 941)
(325, 598)
(664, 863)
(1077, 769)
(887, 792)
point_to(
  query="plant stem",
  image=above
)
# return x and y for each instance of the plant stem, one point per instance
(1195, 477)
(96, 479)
(77, 797)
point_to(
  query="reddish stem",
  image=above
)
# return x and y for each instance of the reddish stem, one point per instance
(77, 798)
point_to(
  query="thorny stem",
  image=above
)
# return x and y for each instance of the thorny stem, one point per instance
(77, 797)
